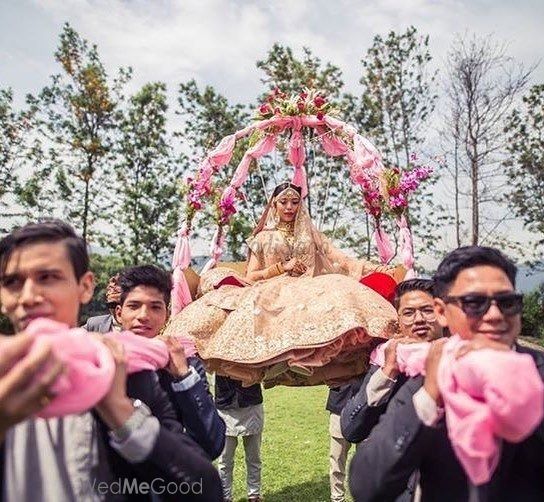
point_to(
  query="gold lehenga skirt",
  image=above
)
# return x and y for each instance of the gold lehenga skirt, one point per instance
(287, 330)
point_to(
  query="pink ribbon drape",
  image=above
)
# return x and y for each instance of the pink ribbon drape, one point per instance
(297, 156)
(383, 244)
(89, 365)
(406, 245)
(181, 295)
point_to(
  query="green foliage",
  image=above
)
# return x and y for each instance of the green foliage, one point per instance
(208, 117)
(75, 118)
(14, 128)
(290, 74)
(525, 166)
(397, 99)
(146, 206)
(398, 93)
(533, 314)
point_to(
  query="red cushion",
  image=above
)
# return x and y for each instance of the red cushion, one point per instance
(381, 283)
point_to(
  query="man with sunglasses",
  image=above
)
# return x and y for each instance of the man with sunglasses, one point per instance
(475, 298)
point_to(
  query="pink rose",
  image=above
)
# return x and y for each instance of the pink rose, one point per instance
(264, 109)
(320, 115)
(319, 101)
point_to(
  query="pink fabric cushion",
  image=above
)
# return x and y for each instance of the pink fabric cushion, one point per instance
(89, 365)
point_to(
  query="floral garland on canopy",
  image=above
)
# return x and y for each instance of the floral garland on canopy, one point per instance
(385, 190)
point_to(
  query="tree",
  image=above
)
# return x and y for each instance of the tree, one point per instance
(398, 94)
(483, 86)
(283, 70)
(14, 129)
(76, 117)
(525, 164)
(146, 212)
(397, 100)
(207, 118)
(532, 320)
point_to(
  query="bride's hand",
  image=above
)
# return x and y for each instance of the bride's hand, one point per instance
(295, 267)
(289, 266)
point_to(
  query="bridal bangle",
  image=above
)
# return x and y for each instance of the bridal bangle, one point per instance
(273, 271)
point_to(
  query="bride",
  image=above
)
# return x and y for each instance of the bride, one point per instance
(299, 316)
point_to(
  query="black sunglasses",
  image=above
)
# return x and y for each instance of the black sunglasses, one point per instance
(477, 305)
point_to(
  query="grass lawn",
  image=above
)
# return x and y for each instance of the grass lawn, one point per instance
(295, 451)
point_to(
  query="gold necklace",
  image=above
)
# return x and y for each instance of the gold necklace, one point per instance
(287, 231)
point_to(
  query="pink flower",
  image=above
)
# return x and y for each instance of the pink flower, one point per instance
(422, 173)
(393, 191)
(319, 101)
(301, 106)
(303, 96)
(264, 109)
(398, 201)
(277, 111)
(320, 115)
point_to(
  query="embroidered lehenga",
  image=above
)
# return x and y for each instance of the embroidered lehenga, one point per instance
(316, 328)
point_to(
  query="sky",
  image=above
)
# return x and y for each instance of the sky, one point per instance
(217, 42)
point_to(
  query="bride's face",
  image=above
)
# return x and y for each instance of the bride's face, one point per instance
(287, 207)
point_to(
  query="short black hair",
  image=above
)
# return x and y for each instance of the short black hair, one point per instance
(50, 230)
(145, 275)
(284, 186)
(468, 257)
(425, 285)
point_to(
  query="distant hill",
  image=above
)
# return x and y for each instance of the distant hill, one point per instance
(529, 280)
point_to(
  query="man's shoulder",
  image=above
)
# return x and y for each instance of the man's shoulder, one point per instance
(536, 354)
(96, 322)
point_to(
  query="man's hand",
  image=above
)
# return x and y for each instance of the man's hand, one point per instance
(390, 366)
(178, 366)
(25, 380)
(431, 369)
(480, 343)
(116, 407)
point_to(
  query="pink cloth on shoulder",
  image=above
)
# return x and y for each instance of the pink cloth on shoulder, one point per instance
(410, 357)
(89, 365)
(489, 395)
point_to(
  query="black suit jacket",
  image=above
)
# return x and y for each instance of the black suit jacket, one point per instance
(174, 458)
(196, 410)
(358, 418)
(401, 444)
(338, 396)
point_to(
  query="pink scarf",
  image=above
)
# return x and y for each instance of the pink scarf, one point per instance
(489, 395)
(89, 365)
